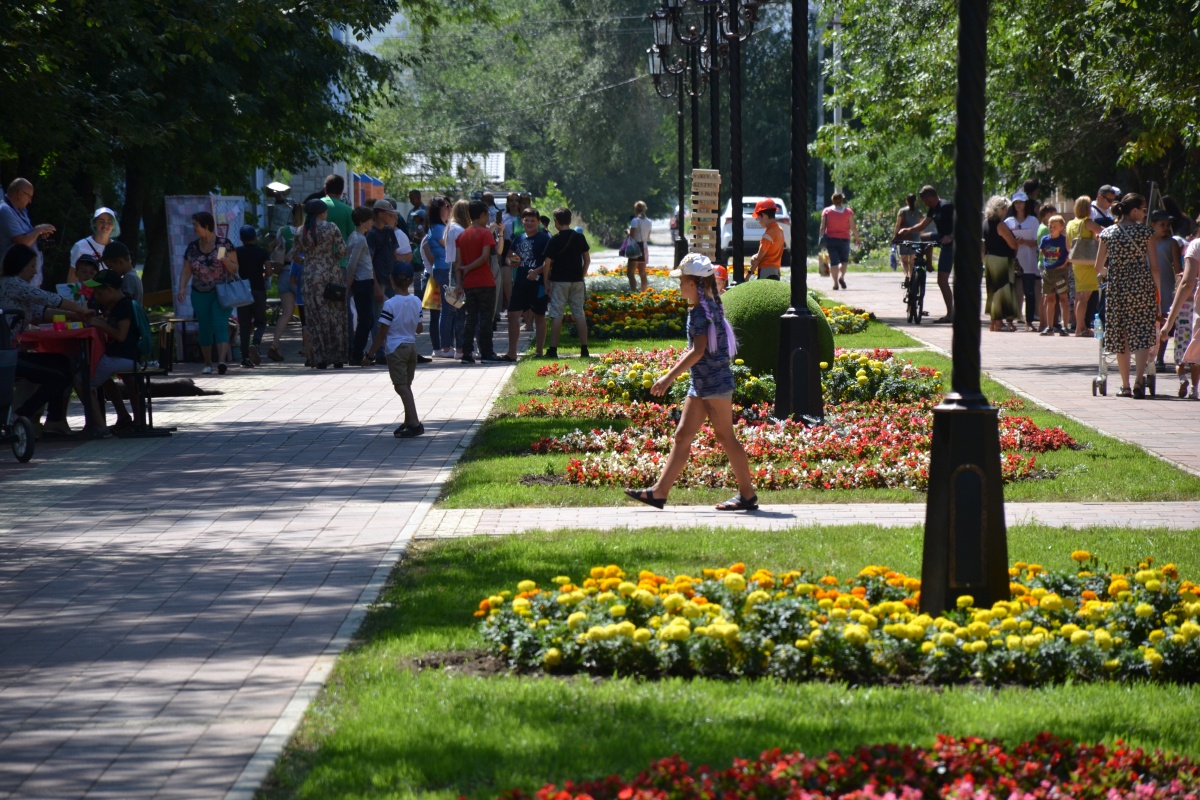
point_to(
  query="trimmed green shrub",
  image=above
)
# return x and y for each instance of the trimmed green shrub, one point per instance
(754, 309)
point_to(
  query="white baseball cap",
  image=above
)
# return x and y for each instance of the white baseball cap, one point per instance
(695, 265)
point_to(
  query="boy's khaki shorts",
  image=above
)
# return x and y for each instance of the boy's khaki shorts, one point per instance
(402, 365)
(564, 295)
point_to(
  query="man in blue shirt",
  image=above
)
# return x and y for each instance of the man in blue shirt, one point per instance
(15, 227)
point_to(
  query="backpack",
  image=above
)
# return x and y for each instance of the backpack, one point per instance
(145, 342)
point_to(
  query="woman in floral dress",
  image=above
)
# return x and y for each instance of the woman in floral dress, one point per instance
(322, 246)
(1132, 311)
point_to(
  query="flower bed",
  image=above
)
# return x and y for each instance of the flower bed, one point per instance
(627, 375)
(957, 769)
(1081, 624)
(843, 319)
(876, 433)
(635, 315)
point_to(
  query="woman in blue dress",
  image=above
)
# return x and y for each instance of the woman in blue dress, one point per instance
(710, 395)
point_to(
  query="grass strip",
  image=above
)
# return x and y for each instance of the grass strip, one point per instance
(380, 729)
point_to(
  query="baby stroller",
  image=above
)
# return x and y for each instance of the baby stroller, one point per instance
(13, 429)
(1100, 382)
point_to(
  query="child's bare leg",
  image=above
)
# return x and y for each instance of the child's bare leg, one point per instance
(410, 405)
(720, 416)
(681, 446)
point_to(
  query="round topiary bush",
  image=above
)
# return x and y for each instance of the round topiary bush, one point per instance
(754, 309)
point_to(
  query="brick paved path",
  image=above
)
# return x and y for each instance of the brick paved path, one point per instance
(169, 607)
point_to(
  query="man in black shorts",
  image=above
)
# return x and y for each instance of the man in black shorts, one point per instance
(529, 287)
(941, 214)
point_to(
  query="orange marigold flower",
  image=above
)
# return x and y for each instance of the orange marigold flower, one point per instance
(829, 580)
(484, 605)
(859, 591)
(1016, 589)
(912, 584)
(597, 572)
(910, 602)
(590, 583)
(1171, 571)
(739, 568)
(480, 614)
(1088, 594)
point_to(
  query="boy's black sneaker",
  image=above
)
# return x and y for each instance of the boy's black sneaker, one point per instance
(491, 358)
(551, 352)
(466, 359)
(409, 431)
(583, 352)
(423, 359)
(247, 363)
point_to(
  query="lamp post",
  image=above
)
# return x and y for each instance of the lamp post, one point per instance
(966, 549)
(736, 23)
(798, 373)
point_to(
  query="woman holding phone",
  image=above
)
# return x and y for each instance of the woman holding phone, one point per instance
(207, 261)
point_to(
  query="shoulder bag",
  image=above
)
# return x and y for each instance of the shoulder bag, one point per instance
(234, 293)
(1084, 249)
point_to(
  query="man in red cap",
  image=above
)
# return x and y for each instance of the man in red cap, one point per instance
(767, 260)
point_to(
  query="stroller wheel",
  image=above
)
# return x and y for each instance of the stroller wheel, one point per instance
(23, 439)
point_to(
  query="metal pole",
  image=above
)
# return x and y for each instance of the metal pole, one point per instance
(798, 376)
(694, 72)
(680, 239)
(966, 549)
(820, 108)
(837, 108)
(714, 92)
(735, 142)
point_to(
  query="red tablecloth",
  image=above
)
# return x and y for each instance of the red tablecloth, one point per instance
(67, 342)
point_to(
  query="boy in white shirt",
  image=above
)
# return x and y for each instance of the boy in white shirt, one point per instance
(399, 324)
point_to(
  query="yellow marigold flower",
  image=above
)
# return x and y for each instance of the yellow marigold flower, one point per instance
(824, 365)
(1081, 556)
(1080, 638)
(597, 572)
(561, 580)
(756, 597)
(617, 611)
(674, 602)
(1153, 585)
(803, 589)
(576, 619)
(1112, 665)
(1052, 602)
(803, 644)
(1157, 636)
(626, 588)
(605, 597)
(926, 647)
(521, 605)
(1190, 630)
(552, 658)
(1144, 610)
(644, 598)
(1013, 642)
(1153, 658)
(526, 586)
(642, 635)
(856, 634)
(626, 628)
(735, 582)
(869, 620)
(613, 571)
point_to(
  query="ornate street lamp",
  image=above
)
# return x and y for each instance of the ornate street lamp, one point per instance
(966, 547)
(736, 23)
(798, 372)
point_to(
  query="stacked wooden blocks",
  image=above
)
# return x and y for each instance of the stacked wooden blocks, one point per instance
(706, 194)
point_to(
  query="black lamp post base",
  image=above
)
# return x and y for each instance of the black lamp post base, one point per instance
(966, 547)
(798, 376)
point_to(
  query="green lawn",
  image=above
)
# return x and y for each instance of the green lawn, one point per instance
(490, 472)
(382, 729)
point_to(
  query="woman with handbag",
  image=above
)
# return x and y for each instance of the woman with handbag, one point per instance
(321, 244)
(1082, 245)
(207, 261)
(281, 261)
(455, 220)
(635, 247)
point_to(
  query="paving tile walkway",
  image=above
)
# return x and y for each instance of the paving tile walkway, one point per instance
(168, 607)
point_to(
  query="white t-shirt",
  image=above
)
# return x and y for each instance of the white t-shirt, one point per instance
(401, 313)
(86, 245)
(403, 245)
(641, 228)
(1027, 257)
(453, 230)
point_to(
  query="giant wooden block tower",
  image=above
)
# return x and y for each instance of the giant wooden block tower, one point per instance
(706, 194)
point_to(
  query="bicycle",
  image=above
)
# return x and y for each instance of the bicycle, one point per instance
(914, 292)
(14, 429)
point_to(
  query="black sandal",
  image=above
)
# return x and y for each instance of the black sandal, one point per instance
(1124, 392)
(646, 496)
(739, 503)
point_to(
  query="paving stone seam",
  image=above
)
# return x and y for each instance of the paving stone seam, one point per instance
(272, 746)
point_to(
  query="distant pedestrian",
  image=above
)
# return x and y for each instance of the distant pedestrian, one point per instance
(208, 260)
(118, 258)
(1170, 264)
(15, 226)
(324, 281)
(528, 256)
(287, 292)
(768, 261)
(360, 274)
(999, 258)
(104, 228)
(639, 235)
(449, 332)
(837, 226)
(566, 263)
(1184, 314)
(1083, 271)
(474, 265)
(1024, 227)
(1132, 305)
(941, 215)
(399, 324)
(1055, 287)
(908, 217)
(711, 347)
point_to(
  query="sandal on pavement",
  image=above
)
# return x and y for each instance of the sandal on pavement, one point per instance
(1139, 389)
(645, 496)
(1124, 392)
(739, 503)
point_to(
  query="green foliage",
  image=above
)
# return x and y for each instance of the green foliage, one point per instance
(553, 198)
(754, 309)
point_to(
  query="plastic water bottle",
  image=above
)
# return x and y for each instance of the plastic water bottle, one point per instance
(1098, 327)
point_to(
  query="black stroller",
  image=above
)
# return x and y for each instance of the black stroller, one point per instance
(13, 429)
